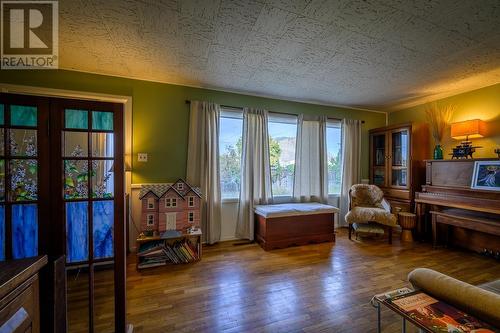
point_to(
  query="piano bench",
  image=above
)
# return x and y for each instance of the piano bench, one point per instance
(460, 219)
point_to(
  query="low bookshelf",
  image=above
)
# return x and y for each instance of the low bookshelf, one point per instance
(173, 250)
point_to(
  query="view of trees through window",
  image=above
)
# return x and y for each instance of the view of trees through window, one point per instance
(282, 140)
(334, 152)
(282, 137)
(230, 155)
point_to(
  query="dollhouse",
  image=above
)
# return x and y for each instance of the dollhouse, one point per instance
(170, 207)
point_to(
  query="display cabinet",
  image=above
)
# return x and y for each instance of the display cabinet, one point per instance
(397, 153)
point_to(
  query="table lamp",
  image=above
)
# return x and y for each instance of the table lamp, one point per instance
(468, 129)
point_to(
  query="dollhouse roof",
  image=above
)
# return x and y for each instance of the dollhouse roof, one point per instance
(160, 189)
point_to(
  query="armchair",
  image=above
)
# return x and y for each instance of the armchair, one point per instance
(367, 204)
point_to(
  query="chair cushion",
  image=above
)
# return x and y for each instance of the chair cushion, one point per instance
(369, 214)
(369, 228)
(493, 286)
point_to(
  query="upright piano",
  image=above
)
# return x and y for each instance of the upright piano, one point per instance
(448, 208)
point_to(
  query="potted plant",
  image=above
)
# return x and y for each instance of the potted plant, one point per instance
(439, 119)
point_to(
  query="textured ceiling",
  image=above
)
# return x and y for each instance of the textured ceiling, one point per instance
(373, 53)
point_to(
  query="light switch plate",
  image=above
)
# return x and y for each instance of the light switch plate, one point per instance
(142, 157)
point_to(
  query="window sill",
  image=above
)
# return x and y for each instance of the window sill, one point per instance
(230, 200)
(277, 199)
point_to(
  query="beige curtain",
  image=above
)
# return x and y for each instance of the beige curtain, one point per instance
(311, 164)
(203, 165)
(255, 170)
(351, 164)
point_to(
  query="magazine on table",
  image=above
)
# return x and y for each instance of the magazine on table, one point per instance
(438, 316)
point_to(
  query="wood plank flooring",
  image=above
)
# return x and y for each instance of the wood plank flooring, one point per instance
(316, 288)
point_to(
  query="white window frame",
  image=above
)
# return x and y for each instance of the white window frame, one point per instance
(151, 203)
(235, 113)
(168, 203)
(152, 216)
(191, 201)
(180, 186)
(276, 117)
(174, 202)
(191, 217)
(334, 123)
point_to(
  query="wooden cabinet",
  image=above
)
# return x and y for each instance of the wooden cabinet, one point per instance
(19, 295)
(397, 156)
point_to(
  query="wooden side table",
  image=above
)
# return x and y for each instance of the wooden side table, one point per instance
(407, 221)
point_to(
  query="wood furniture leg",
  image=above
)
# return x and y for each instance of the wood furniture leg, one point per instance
(390, 234)
(350, 231)
(434, 231)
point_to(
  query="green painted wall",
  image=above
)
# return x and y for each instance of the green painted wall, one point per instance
(161, 116)
(481, 104)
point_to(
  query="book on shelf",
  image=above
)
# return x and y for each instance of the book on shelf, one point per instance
(160, 252)
(436, 315)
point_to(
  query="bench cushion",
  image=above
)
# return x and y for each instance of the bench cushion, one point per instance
(294, 209)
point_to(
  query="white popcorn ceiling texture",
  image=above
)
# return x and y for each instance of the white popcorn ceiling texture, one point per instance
(374, 53)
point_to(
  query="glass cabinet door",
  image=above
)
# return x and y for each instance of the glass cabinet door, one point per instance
(379, 157)
(399, 158)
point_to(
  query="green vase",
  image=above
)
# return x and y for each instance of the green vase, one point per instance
(438, 152)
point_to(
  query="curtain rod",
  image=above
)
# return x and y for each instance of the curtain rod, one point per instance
(289, 114)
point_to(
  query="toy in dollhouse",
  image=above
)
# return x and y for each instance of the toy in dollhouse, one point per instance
(169, 210)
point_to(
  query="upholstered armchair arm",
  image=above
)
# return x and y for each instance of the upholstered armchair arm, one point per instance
(386, 205)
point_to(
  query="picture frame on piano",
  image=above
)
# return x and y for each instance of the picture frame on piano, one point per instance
(486, 175)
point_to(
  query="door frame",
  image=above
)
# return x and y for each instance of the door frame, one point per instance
(120, 299)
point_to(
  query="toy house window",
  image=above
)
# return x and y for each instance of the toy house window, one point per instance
(151, 220)
(174, 202)
(191, 201)
(168, 202)
(151, 203)
(191, 217)
(180, 186)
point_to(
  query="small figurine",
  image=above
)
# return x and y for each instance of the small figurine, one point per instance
(497, 151)
(464, 150)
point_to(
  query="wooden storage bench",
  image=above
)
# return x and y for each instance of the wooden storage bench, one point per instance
(284, 225)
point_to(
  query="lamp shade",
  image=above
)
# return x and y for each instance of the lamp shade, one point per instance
(471, 129)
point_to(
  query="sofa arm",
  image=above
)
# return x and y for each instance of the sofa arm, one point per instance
(481, 303)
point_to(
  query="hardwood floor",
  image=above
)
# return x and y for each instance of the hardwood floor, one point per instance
(315, 288)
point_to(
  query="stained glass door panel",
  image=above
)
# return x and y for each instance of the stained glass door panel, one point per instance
(88, 165)
(20, 168)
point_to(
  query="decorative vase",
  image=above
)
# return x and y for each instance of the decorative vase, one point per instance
(438, 152)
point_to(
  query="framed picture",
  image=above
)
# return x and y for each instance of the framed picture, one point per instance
(486, 175)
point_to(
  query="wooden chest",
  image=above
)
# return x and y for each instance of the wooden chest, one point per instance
(280, 232)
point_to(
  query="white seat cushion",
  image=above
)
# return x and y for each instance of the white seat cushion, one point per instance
(294, 209)
(370, 214)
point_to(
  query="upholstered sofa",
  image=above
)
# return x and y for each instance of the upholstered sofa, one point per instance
(481, 301)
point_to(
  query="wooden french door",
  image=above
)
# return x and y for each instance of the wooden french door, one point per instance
(62, 189)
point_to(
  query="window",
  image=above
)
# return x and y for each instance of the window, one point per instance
(151, 203)
(151, 220)
(171, 202)
(282, 138)
(180, 186)
(190, 201)
(334, 152)
(191, 217)
(230, 144)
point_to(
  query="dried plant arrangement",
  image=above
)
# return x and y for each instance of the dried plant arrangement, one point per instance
(439, 119)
